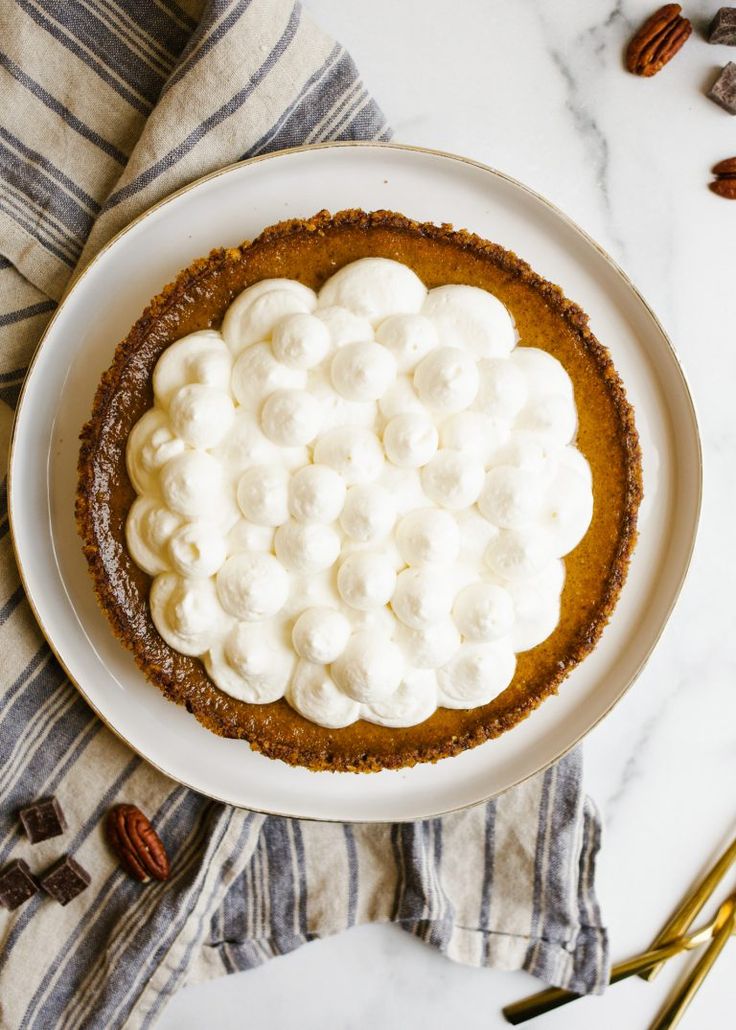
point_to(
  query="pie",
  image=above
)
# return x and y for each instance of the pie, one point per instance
(361, 492)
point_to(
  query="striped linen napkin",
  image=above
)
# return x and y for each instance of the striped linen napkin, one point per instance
(104, 109)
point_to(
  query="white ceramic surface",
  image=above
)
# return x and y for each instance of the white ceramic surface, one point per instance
(235, 205)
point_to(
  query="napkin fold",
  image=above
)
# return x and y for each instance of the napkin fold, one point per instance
(105, 109)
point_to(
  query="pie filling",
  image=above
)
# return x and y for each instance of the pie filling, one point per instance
(358, 499)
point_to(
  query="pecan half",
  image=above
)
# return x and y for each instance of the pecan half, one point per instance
(724, 183)
(726, 167)
(657, 41)
(136, 843)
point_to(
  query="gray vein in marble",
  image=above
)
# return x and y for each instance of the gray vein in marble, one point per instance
(595, 139)
(632, 769)
(595, 41)
(600, 38)
(641, 745)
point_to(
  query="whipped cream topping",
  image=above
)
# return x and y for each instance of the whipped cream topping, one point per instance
(359, 499)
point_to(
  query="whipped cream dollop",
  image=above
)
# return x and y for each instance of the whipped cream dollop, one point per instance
(358, 499)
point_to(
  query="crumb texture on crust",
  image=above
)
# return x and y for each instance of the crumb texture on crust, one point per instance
(311, 250)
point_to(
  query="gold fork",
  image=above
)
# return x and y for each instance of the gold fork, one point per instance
(717, 931)
(670, 941)
(692, 904)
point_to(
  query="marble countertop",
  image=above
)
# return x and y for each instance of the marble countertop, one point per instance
(536, 88)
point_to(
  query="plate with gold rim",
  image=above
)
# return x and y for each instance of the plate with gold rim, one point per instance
(223, 209)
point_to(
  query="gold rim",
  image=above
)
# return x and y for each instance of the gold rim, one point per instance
(75, 282)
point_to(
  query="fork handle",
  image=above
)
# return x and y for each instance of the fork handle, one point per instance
(673, 1012)
(554, 997)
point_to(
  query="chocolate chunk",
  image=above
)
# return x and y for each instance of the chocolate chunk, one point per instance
(723, 90)
(43, 819)
(16, 884)
(723, 27)
(65, 880)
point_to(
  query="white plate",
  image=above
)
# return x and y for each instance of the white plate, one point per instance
(224, 209)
